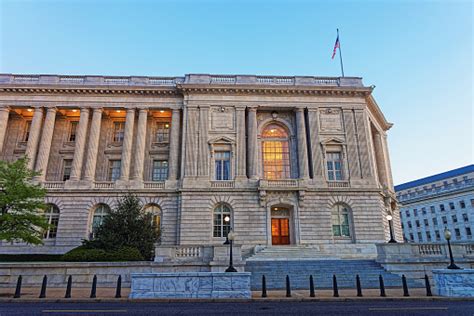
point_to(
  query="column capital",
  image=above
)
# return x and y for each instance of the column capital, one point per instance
(175, 110)
(299, 108)
(84, 109)
(97, 110)
(252, 108)
(143, 109)
(240, 107)
(131, 110)
(5, 108)
(313, 109)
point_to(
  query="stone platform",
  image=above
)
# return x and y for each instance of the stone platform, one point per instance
(454, 283)
(191, 285)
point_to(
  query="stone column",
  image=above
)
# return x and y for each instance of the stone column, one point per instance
(33, 138)
(241, 172)
(141, 144)
(302, 144)
(203, 166)
(316, 149)
(191, 139)
(252, 144)
(173, 160)
(45, 145)
(387, 163)
(79, 147)
(379, 157)
(93, 140)
(127, 145)
(4, 113)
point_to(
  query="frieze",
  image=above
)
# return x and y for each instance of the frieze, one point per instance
(222, 119)
(330, 120)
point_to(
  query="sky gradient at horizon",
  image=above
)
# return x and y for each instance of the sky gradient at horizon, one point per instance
(418, 54)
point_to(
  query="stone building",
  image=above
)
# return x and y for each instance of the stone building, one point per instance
(431, 204)
(299, 161)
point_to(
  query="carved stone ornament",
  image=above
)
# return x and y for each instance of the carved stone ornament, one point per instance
(222, 119)
(330, 120)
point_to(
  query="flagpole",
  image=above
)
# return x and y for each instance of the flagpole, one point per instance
(340, 54)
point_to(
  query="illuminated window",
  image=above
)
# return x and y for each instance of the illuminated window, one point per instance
(72, 131)
(222, 163)
(160, 170)
(100, 212)
(119, 130)
(222, 219)
(341, 221)
(276, 155)
(51, 214)
(162, 132)
(155, 212)
(334, 164)
(114, 170)
(26, 131)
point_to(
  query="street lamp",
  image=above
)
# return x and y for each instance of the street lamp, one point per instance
(390, 225)
(447, 235)
(228, 241)
(227, 220)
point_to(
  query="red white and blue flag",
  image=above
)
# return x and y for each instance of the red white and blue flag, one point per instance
(336, 46)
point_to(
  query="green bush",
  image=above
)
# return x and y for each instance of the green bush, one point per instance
(87, 254)
(29, 258)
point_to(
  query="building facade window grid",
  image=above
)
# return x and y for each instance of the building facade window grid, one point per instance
(162, 134)
(100, 212)
(276, 153)
(160, 170)
(222, 165)
(52, 216)
(221, 227)
(114, 170)
(341, 221)
(67, 165)
(72, 131)
(334, 166)
(118, 132)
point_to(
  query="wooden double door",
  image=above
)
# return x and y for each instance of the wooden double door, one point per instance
(280, 231)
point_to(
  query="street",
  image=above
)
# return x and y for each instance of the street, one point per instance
(362, 307)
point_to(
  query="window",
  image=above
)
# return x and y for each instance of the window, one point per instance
(408, 213)
(160, 170)
(428, 236)
(455, 218)
(435, 221)
(409, 225)
(419, 236)
(432, 209)
(51, 213)
(276, 155)
(67, 164)
(415, 212)
(334, 164)
(468, 232)
(441, 207)
(457, 233)
(72, 131)
(222, 219)
(222, 164)
(162, 132)
(119, 130)
(423, 210)
(100, 212)
(26, 131)
(465, 217)
(425, 221)
(451, 206)
(462, 204)
(114, 170)
(155, 212)
(411, 237)
(438, 235)
(417, 223)
(445, 220)
(340, 221)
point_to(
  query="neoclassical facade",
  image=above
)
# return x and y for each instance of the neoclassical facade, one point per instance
(281, 160)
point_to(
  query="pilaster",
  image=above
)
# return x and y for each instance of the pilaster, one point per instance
(191, 139)
(316, 148)
(252, 145)
(94, 136)
(33, 138)
(302, 144)
(241, 172)
(45, 146)
(79, 147)
(203, 158)
(174, 145)
(4, 113)
(127, 145)
(140, 145)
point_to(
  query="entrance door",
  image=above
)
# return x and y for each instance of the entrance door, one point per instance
(280, 231)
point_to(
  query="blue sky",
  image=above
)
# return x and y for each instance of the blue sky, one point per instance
(417, 53)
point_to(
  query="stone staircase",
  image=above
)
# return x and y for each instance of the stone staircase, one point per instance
(299, 263)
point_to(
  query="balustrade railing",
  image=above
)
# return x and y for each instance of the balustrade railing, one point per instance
(286, 183)
(53, 185)
(104, 185)
(154, 185)
(222, 184)
(188, 252)
(338, 184)
(430, 249)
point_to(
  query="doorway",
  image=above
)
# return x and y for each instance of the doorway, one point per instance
(280, 224)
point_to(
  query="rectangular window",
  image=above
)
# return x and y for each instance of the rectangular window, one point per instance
(114, 170)
(119, 130)
(334, 164)
(72, 131)
(26, 131)
(465, 217)
(415, 212)
(425, 221)
(451, 205)
(408, 213)
(67, 164)
(162, 132)
(441, 207)
(435, 221)
(468, 232)
(445, 220)
(160, 170)
(455, 218)
(222, 165)
(417, 223)
(438, 235)
(462, 204)
(457, 233)
(423, 210)
(409, 225)
(419, 236)
(432, 209)
(428, 236)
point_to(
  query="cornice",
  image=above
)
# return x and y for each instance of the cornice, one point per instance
(18, 89)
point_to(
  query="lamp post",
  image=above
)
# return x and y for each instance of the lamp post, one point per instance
(447, 235)
(229, 238)
(390, 225)
(227, 220)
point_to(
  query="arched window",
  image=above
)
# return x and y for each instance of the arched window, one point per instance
(222, 221)
(98, 217)
(155, 212)
(275, 152)
(51, 213)
(341, 221)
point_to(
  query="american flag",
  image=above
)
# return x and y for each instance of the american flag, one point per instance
(336, 46)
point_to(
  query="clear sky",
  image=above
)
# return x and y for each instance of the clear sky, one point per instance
(417, 53)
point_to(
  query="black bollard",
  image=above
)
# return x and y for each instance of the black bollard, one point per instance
(311, 287)
(334, 285)
(359, 287)
(382, 286)
(264, 286)
(43, 287)
(18, 287)
(118, 290)
(68, 288)
(94, 287)
(428, 286)
(288, 286)
(405, 286)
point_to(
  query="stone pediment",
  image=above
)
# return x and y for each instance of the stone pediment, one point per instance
(222, 140)
(333, 141)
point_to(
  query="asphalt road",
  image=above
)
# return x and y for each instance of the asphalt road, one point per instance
(378, 307)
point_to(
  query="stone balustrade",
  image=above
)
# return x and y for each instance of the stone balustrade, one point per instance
(338, 184)
(222, 184)
(287, 183)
